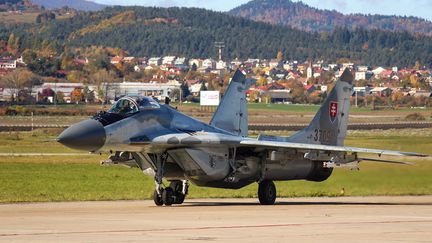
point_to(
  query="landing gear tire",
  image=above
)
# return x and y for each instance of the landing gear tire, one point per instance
(168, 196)
(177, 187)
(267, 192)
(179, 199)
(157, 198)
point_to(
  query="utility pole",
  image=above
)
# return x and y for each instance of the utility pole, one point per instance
(356, 97)
(55, 94)
(220, 45)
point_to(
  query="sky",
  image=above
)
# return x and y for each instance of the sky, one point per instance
(418, 8)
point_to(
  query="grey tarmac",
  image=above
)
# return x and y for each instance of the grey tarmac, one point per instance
(344, 219)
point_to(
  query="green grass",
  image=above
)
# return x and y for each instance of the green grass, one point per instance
(75, 178)
(41, 141)
(71, 181)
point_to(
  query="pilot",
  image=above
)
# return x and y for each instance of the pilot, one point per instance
(125, 107)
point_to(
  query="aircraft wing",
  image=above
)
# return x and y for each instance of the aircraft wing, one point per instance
(317, 147)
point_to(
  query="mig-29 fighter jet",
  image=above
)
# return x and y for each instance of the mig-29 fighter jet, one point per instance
(167, 144)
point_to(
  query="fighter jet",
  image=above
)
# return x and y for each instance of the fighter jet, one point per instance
(167, 144)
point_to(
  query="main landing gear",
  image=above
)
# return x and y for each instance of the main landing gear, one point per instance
(175, 193)
(267, 192)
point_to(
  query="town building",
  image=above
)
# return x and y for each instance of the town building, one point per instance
(8, 63)
(208, 64)
(152, 89)
(197, 62)
(155, 61)
(360, 75)
(381, 91)
(168, 60)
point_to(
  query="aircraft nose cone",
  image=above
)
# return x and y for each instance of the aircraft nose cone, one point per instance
(88, 135)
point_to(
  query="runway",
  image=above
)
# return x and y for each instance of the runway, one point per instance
(346, 219)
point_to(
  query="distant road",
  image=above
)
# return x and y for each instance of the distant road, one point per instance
(261, 127)
(352, 126)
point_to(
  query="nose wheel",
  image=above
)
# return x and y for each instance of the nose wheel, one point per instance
(266, 192)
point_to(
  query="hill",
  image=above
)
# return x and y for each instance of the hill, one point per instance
(76, 4)
(302, 16)
(191, 32)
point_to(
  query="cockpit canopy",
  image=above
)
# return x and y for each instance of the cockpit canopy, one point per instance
(129, 105)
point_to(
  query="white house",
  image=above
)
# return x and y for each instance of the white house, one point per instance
(349, 65)
(332, 66)
(221, 64)
(381, 91)
(198, 63)
(129, 59)
(168, 60)
(209, 63)
(362, 68)
(155, 61)
(116, 60)
(273, 63)
(362, 91)
(195, 89)
(236, 62)
(378, 70)
(180, 61)
(360, 75)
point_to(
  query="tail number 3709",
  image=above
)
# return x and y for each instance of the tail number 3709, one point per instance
(322, 135)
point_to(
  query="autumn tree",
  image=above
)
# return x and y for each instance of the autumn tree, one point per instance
(13, 44)
(184, 90)
(18, 80)
(298, 92)
(280, 57)
(103, 79)
(417, 65)
(175, 95)
(66, 59)
(77, 95)
(45, 17)
(262, 81)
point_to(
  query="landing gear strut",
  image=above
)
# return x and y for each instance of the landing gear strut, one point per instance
(159, 191)
(267, 192)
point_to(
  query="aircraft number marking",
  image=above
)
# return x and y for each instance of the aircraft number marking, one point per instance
(322, 135)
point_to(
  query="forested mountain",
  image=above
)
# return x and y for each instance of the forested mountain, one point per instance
(192, 32)
(76, 4)
(10, 1)
(302, 16)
